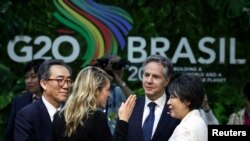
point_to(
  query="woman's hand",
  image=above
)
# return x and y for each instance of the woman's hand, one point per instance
(126, 108)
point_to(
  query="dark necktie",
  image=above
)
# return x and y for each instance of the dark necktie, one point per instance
(149, 122)
(35, 98)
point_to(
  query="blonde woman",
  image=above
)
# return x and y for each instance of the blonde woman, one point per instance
(81, 117)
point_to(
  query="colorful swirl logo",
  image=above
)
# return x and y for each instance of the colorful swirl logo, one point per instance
(103, 27)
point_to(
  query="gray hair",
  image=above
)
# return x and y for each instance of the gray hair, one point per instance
(164, 61)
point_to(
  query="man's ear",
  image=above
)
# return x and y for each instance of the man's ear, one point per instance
(43, 84)
(187, 103)
(166, 82)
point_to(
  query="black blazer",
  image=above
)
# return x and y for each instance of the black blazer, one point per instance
(121, 131)
(163, 130)
(95, 128)
(18, 102)
(33, 123)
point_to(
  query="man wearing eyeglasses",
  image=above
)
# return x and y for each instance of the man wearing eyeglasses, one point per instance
(34, 122)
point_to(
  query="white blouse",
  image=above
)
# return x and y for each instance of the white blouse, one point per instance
(191, 128)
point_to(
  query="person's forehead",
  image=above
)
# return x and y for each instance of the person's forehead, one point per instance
(31, 71)
(59, 70)
(154, 66)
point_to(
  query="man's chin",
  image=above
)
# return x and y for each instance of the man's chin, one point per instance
(149, 92)
(63, 98)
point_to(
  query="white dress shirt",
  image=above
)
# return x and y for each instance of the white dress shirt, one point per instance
(50, 108)
(160, 102)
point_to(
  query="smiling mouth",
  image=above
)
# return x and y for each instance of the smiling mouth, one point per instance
(149, 88)
(64, 93)
(170, 110)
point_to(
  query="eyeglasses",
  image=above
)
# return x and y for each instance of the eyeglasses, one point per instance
(61, 82)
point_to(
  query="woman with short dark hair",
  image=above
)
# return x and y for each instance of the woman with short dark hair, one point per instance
(186, 97)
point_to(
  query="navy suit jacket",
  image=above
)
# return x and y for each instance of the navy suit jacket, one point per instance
(33, 123)
(18, 103)
(163, 130)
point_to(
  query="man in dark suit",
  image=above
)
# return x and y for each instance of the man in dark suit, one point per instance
(25, 98)
(156, 76)
(34, 121)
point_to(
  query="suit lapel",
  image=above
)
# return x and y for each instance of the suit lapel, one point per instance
(44, 112)
(140, 114)
(136, 120)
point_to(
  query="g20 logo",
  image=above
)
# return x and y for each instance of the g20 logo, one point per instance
(28, 49)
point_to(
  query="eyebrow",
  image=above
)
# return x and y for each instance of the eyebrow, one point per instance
(62, 76)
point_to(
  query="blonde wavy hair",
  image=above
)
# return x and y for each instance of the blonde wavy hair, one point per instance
(82, 100)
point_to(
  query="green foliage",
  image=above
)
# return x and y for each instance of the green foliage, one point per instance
(6, 94)
(225, 99)
(11, 85)
(139, 92)
(6, 81)
(9, 27)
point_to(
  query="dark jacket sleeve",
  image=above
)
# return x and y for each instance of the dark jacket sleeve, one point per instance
(100, 130)
(18, 102)
(9, 132)
(121, 131)
(23, 130)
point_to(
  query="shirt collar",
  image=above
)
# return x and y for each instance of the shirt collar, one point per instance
(159, 102)
(50, 108)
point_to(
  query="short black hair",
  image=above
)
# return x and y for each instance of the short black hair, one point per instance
(44, 70)
(189, 88)
(33, 64)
